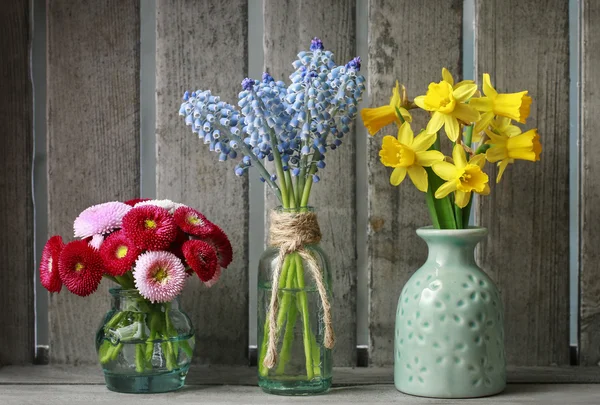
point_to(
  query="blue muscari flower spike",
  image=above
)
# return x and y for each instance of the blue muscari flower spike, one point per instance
(316, 44)
(299, 123)
(354, 63)
(247, 83)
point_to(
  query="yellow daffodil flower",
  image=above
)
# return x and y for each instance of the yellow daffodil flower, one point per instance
(462, 177)
(447, 77)
(377, 118)
(409, 154)
(448, 107)
(515, 106)
(506, 149)
(500, 125)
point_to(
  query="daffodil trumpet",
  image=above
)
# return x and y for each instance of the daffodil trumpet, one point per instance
(481, 130)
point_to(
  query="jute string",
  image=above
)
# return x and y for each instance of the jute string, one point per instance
(290, 232)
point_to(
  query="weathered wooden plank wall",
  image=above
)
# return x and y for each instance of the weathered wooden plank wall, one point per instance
(93, 140)
(203, 45)
(289, 27)
(16, 206)
(527, 252)
(589, 348)
(409, 44)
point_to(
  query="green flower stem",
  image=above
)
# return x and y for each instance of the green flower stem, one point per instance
(305, 316)
(466, 213)
(286, 285)
(115, 351)
(290, 186)
(150, 345)
(467, 140)
(316, 354)
(263, 349)
(171, 332)
(288, 336)
(458, 216)
(139, 358)
(482, 149)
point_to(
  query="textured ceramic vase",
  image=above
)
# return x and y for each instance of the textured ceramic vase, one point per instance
(449, 340)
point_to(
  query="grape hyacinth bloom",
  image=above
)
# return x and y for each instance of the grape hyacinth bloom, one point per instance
(292, 125)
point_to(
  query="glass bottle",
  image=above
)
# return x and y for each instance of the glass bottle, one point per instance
(304, 364)
(144, 347)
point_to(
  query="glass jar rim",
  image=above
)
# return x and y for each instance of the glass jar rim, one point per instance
(281, 209)
(124, 292)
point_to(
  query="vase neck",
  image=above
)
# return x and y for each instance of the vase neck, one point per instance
(452, 247)
(131, 300)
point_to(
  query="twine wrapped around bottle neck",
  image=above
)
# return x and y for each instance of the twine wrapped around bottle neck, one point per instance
(290, 232)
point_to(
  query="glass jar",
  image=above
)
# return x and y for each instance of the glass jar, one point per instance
(144, 347)
(304, 364)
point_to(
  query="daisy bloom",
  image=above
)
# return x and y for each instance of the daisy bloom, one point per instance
(515, 106)
(462, 177)
(166, 204)
(507, 149)
(377, 118)
(150, 227)
(219, 240)
(49, 275)
(96, 241)
(176, 246)
(192, 222)
(409, 154)
(159, 276)
(80, 267)
(215, 278)
(134, 201)
(448, 106)
(118, 254)
(100, 219)
(202, 258)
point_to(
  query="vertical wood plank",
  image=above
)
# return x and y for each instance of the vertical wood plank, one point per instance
(16, 207)
(289, 27)
(93, 140)
(203, 45)
(589, 349)
(523, 44)
(410, 44)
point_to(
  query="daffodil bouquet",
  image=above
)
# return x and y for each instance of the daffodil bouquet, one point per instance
(480, 128)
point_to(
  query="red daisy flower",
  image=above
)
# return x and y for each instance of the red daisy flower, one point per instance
(192, 222)
(118, 254)
(49, 275)
(150, 227)
(134, 201)
(201, 257)
(219, 240)
(80, 268)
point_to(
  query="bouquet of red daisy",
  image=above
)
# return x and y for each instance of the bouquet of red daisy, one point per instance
(149, 248)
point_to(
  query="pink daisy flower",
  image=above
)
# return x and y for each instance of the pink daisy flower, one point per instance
(100, 219)
(96, 241)
(118, 254)
(80, 268)
(193, 222)
(150, 227)
(49, 275)
(159, 276)
(202, 258)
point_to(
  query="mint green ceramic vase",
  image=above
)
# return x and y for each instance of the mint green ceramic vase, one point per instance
(449, 339)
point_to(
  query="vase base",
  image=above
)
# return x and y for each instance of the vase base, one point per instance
(451, 395)
(292, 387)
(146, 383)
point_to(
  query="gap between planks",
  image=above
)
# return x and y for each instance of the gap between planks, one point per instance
(246, 376)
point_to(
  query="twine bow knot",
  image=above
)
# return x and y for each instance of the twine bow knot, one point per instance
(290, 232)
